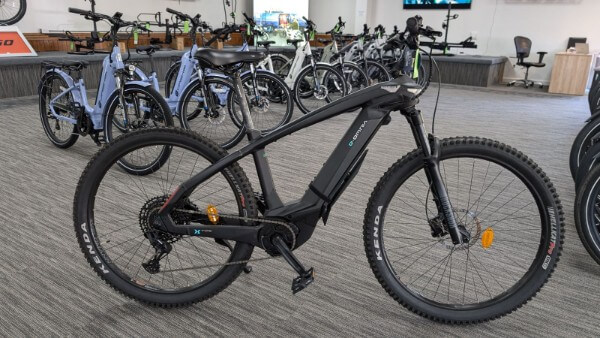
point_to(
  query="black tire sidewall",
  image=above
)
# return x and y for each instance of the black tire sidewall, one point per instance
(186, 97)
(88, 239)
(589, 237)
(584, 137)
(52, 76)
(399, 172)
(17, 17)
(304, 72)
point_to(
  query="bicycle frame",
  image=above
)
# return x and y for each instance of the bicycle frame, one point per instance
(337, 172)
(109, 84)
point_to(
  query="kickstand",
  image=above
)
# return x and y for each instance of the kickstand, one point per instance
(305, 277)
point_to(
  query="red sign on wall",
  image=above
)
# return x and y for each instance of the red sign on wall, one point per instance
(13, 43)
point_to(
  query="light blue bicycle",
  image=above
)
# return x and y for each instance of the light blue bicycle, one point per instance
(218, 117)
(121, 105)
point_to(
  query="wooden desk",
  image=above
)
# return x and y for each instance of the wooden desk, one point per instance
(570, 73)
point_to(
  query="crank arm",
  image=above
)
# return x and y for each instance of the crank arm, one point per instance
(236, 233)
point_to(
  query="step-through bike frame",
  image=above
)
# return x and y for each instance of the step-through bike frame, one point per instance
(337, 172)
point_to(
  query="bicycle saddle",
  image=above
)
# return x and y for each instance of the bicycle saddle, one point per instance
(265, 43)
(294, 41)
(225, 58)
(147, 49)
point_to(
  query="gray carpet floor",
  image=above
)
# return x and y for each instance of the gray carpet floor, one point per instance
(47, 287)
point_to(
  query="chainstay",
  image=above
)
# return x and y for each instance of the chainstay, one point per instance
(247, 219)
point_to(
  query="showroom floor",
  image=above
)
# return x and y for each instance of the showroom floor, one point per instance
(47, 287)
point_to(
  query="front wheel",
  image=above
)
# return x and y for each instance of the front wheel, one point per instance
(318, 86)
(587, 213)
(143, 108)
(507, 210)
(356, 78)
(270, 102)
(212, 116)
(586, 138)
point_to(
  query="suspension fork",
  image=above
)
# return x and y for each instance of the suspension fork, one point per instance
(203, 89)
(430, 147)
(121, 88)
(254, 82)
(315, 76)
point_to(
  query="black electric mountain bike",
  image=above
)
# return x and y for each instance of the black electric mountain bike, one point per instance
(12, 11)
(459, 230)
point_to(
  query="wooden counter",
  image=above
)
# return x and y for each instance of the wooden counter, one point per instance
(570, 73)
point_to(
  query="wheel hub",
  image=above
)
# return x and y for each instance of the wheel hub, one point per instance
(321, 93)
(260, 105)
(469, 228)
(216, 115)
(149, 212)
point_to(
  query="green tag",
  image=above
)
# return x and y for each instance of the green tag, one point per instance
(135, 37)
(72, 45)
(147, 25)
(312, 35)
(248, 29)
(186, 26)
(416, 65)
(379, 35)
(337, 28)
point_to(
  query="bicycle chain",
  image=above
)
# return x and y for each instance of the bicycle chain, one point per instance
(248, 219)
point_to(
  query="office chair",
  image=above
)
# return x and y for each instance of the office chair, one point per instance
(523, 46)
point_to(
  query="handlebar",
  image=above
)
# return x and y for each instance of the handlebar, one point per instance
(179, 14)
(79, 11)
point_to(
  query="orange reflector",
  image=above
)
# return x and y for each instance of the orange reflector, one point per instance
(213, 213)
(487, 238)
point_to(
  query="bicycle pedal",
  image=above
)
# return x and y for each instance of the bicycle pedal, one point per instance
(301, 282)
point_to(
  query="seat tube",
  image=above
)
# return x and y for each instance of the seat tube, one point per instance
(432, 170)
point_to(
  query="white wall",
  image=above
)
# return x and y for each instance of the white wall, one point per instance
(548, 23)
(53, 14)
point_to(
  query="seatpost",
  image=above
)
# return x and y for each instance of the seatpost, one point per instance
(248, 123)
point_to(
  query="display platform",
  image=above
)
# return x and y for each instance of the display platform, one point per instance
(23, 74)
(470, 70)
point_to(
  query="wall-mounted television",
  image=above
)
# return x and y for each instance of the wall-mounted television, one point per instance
(437, 4)
(273, 14)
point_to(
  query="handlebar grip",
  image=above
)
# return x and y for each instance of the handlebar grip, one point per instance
(246, 16)
(79, 11)
(437, 33)
(172, 11)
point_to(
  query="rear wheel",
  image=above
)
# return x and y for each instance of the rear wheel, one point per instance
(62, 134)
(510, 218)
(114, 219)
(281, 65)
(171, 77)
